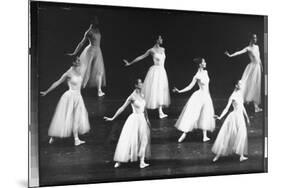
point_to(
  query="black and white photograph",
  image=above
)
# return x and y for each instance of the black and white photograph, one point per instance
(125, 94)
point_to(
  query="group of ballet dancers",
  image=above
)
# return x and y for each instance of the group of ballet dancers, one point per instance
(71, 117)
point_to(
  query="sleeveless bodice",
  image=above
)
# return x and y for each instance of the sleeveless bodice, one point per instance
(237, 101)
(74, 82)
(94, 38)
(254, 54)
(138, 105)
(159, 58)
(203, 80)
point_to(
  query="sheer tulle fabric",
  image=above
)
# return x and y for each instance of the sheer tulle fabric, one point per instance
(198, 113)
(70, 115)
(251, 79)
(156, 87)
(92, 66)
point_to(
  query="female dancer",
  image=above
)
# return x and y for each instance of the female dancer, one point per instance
(232, 137)
(155, 87)
(71, 116)
(198, 112)
(134, 140)
(252, 74)
(92, 66)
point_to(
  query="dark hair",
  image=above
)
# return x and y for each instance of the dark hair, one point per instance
(198, 60)
(137, 81)
(95, 21)
(251, 35)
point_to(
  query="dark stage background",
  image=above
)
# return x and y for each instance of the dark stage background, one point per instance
(129, 32)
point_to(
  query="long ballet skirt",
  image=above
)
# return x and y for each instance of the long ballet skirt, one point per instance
(70, 114)
(156, 86)
(134, 140)
(232, 137)
(251, 78)
(198, 113)
(92, 65)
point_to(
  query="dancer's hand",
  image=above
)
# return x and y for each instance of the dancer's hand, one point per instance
(71, 54)
(227, 53)
(43, 93)
(175, 90)
(126, 62)
(216, 117)
(108, 119)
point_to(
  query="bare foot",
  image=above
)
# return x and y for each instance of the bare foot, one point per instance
(100, 93)
(143, 165)
(117, 165)
(79, 142)
(242, 158)
(206, 139)
(216, 158)
(51, 140)
(161, 116)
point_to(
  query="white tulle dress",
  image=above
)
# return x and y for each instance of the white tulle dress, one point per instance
(198, 113)
(232, 137)
(92, 65)
(156, 86)
(251, 77)
(70, 114)
(134, 140)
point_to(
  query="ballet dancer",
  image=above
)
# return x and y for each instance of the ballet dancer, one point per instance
(251, 77)
(198, 112)
(232, 137)
(156, 86)
(92, 65)
(134, 140)
(71, 116)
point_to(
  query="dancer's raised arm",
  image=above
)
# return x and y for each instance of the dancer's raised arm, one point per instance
(81, 43)
(189, 87)
(236, 53)
(141, 57)
(55, 84)
(120, 110)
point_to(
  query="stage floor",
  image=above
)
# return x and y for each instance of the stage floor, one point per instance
(63, 163)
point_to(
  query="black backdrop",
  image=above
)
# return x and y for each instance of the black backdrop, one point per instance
(129, 32)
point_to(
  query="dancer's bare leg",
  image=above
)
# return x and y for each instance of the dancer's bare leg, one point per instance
(216, 158)
(142, 163)
(77, 141)
(161, 113)
(205, 137)
(182, 137)
(257, 108)
(99, 80)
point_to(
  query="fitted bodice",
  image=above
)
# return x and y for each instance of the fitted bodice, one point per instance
(237, 101)
(74, 82)
(159, 58)
(138, 104)
(254, 54)
(203, 80)
(94, 38)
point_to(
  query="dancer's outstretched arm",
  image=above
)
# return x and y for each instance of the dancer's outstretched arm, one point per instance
(236, 53)
(55, 84)
(189, 87)
(141, 57)
(226, 108)
(120, 110)
(81, 43)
